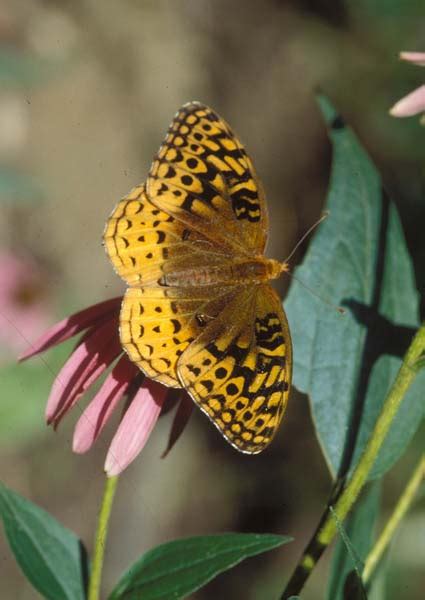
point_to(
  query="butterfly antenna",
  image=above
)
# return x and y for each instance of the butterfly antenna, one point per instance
(324, 216)
(341, 310)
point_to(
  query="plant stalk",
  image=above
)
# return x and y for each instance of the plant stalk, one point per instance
(345, 498)
(393, 522)
(100, 539)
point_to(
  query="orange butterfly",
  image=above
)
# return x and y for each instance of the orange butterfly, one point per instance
(199, 312)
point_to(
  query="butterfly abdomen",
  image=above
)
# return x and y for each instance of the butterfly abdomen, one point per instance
(247, 271)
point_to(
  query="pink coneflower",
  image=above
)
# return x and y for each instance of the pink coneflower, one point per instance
(413, 103)
(97, 349)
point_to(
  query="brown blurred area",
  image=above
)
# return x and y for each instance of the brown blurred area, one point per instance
(87, 131)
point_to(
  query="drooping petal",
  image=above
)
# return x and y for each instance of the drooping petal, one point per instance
(181, 419)
(73, 325)
(97, 413)
(85, 365)
(135, 427)
(172, 398)
(410, 105)
(417, 58)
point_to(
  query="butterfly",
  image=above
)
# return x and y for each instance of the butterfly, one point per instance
(199, 312)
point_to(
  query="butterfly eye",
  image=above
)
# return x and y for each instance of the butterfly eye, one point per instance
(200, 319)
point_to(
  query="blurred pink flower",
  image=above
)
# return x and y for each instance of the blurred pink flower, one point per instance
(24, 312)
(413, 103)
(96, 350)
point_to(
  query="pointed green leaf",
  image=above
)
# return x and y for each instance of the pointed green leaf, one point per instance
(50, 555)
(176, 569)
(358, 259)
(358, 529)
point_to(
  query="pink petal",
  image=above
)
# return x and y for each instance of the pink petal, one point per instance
(97, 413)
(135, 427)
(410, 105)
(181, 419)
(172, 398)
(83, 367)
(418, 58)
(72, 325)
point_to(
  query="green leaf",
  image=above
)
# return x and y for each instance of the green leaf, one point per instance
(176, 569)
(356, 561)
(358, 529)
(358, 259)
(50, 555)
(398, 304)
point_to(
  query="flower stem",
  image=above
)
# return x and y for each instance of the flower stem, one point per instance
(400, 510)
(343, 499)
(100, 540)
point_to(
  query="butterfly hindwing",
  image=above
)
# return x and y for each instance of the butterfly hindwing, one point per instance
(157, 324)
(238, 370)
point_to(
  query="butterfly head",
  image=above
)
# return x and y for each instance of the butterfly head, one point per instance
(276, 268)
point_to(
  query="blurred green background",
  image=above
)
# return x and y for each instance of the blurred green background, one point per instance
(87, 90)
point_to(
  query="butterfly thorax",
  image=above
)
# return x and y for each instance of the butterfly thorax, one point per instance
(239, 271)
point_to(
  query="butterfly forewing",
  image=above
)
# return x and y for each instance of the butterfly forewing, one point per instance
(144, 242)
(203, 176)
